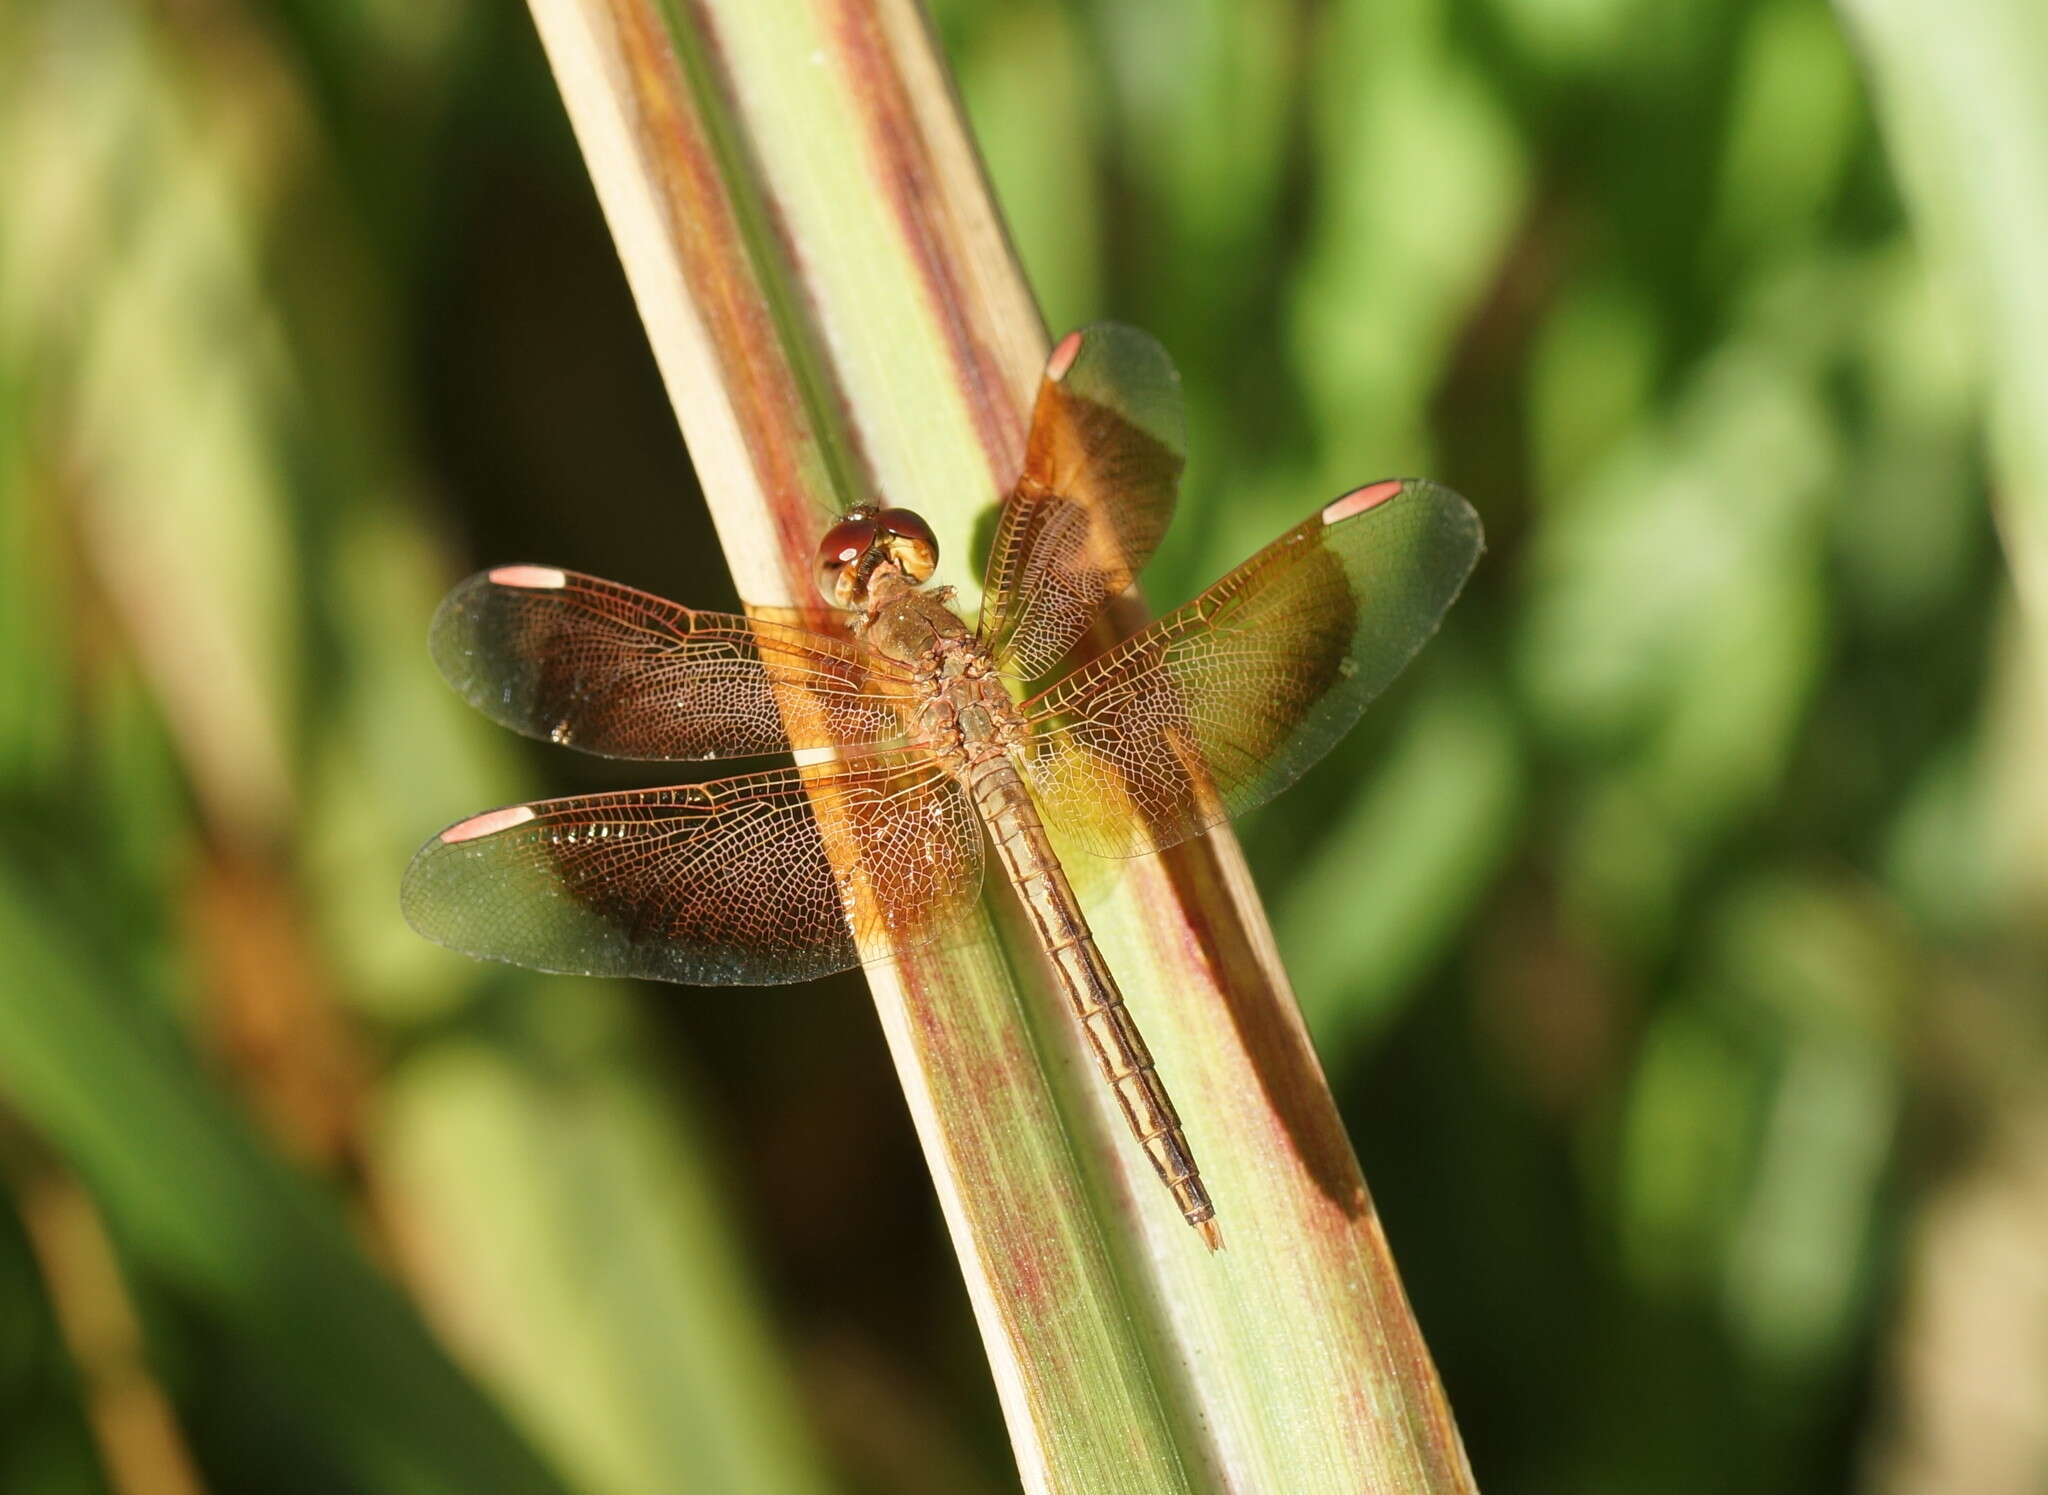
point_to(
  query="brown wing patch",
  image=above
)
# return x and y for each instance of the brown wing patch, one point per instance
(1101, 473)
(623, 674)
(753, 880)
(1221, 704)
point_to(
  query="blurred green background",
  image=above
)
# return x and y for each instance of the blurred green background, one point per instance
(1673, 935)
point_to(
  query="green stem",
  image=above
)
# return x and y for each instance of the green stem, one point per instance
(813, 248)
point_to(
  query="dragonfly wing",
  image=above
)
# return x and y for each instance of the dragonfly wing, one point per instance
(623, 674)
(1220, 705)
(1101, 470)
(755, 880)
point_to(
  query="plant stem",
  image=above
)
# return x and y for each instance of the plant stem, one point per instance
(835, 309)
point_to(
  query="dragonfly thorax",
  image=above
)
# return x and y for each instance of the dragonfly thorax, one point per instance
(965, 716)
(916, 627)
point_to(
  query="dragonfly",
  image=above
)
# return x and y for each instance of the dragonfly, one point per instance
(947, 741)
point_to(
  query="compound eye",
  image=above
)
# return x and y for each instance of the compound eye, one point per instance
(908, 541)
(838, 564)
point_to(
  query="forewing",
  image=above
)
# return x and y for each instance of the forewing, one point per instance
(744, 881)
(623, 674)
(1101, 470)
(1220, 705)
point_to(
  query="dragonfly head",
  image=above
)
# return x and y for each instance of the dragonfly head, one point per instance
(867, 542)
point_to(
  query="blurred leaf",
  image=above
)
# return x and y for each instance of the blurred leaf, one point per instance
(1391, 884)
(1826, 968)
(135, 292)
(1205, 110)
(1761, 1120)
(1677, 615)
(1036, 116)
(1592, 378)
(1692, 1113)
(1909, 532)
(1961, 98)
(48, 1449)
(1422, 185)
(390, 721)
(558, 1179)
(203, 1208)
(1564, 36)
(1794, 121)
(1970, 1372)
(1936, 859)
(1719, 507)
(1962, 102)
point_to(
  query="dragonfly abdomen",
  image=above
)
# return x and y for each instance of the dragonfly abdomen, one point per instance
(1091, 990)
